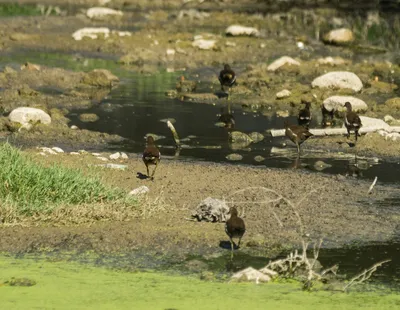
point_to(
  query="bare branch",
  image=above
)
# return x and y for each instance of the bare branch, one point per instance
(365, 275)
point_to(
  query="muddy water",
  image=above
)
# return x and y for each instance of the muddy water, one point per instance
(139, 106)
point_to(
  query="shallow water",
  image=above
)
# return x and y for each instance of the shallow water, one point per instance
(139, 105)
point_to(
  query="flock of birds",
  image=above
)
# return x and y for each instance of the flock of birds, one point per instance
(235, 226)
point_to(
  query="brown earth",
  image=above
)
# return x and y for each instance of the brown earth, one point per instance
(336, 209)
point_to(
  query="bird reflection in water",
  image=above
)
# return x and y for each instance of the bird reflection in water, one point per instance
(327, 117)
(353, 169)
(227, 118)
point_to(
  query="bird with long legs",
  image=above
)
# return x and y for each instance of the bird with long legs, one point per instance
(352, 121)
(297, 134)
(227, 77)
(234, 228)
(151, 156)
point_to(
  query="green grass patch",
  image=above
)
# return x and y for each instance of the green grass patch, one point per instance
(30, 188)
(15, 9)
(68, 285)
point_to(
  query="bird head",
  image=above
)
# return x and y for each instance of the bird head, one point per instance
(150, 140)
(348, 106)
(233, 211)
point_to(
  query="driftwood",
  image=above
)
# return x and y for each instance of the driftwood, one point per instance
(337, 131)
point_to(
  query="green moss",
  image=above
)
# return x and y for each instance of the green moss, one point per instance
(61, 285)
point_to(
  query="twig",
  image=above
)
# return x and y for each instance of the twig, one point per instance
(175, 134)
(372, 185)
(365, 275)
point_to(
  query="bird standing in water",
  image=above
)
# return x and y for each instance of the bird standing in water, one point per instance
(234, 227)
(227, 77)
(304, 117)
(352, 121)
(297, 134)
(151, 156)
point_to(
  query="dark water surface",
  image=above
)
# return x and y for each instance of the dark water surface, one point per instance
(139, 105)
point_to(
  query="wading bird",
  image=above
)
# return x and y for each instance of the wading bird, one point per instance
(297, 134)
(234, 228)
(151, 156)
(352, 121)
(227, 77)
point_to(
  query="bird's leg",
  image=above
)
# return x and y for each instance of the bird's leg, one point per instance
(356, 131)
(154, 171)
(298, 149)
(147, 167)
(348, 133)
(232, 244)
(239, 242)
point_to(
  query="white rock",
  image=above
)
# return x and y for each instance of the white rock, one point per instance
(74, 127)
(300, 45)
(103, 2)
(113, 166)
(204, 44)
(57, 149)
(91, 32)
(237, 30)
(96, 154)
(394, 136)
(122, 33)
(251, 274)
(268, 272)
(338, 79)
(102, 158)
(336, 103)
(99, 12)
(82, 152)
(339, 36)
(283, 94)
(374, 123)
(25, 115)
(211, 210)
(115, 155)
(139, 191)
(170, 52)
(281, 62)
(74, 153)
(331, 61)
(49, 150)
(229, 43)
(389, 119)
(43, 153)
(124, 156)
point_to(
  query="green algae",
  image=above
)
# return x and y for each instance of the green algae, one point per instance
(62, 285)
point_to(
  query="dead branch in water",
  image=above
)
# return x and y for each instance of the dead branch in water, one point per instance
(175, 134)
(365, 275)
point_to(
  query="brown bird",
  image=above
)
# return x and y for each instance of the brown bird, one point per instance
(297, 134)
(151, 156)
(234, 227)
(304, 117)
(352, 121)
(227, 77)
